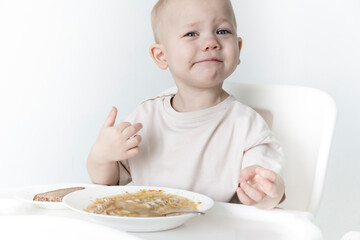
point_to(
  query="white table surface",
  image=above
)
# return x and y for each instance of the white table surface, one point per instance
(19, 220)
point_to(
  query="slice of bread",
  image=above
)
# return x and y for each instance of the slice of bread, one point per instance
(55, 195)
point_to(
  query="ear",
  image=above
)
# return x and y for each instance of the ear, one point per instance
(240, 45)
(158, 54)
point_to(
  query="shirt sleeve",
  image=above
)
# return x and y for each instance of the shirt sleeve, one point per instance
(262, 148)
(124, 172)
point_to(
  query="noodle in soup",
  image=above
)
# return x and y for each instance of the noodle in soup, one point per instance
(143, 203)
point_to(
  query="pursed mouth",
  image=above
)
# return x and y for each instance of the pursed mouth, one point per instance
(209, 60)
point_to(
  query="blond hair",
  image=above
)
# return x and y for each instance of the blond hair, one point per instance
(159, 8)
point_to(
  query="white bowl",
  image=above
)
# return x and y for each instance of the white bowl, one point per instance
(78, 201)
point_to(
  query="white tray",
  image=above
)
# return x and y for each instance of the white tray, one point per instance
(238, 222)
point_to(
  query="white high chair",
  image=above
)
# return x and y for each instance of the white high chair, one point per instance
(303, 120)
(352, 235)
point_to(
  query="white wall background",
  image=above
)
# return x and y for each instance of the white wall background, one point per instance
(63, 64)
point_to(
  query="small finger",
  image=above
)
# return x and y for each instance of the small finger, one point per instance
(266, 173)
(269, 188)
(245, 199)
(122, 126)
(110, 120)
(132, 152)
(133, 141)
(252, 192)
(247, 173)
(131, 130)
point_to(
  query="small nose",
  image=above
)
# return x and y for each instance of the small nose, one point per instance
(211, 44)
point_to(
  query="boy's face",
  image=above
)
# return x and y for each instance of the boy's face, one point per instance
(200, 43)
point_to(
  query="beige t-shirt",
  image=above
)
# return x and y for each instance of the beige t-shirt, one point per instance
(201, 151)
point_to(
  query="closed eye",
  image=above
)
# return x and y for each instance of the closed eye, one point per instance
(222, 32)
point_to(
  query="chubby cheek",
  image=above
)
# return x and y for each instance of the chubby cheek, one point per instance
(181, 58)
(233, 54)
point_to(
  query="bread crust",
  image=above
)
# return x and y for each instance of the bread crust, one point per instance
(55, 195)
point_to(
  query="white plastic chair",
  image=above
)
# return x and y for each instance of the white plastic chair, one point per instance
(303, 120)
(353, 235)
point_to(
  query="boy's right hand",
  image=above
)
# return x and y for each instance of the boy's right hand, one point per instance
(116, 142)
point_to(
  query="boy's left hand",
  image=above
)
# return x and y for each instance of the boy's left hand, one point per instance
(260, 187)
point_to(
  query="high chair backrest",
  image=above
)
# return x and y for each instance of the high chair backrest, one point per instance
(303, 120)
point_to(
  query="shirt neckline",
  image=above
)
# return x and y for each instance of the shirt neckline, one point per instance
(199, 115)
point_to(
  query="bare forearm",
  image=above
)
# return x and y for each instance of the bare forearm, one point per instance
(103, 173)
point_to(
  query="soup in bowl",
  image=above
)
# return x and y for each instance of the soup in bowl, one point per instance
(137, 208)
(143, 203)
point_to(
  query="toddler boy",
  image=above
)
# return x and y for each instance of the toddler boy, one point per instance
(200, 138)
